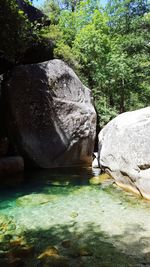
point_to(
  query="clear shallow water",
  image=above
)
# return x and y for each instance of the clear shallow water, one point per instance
(57, 218)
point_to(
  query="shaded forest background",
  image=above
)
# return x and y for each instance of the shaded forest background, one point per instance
(108, 47)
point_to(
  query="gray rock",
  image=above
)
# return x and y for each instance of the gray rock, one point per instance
(124, 150)
(51, 116)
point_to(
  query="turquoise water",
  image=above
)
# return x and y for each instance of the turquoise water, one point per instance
(57, 218)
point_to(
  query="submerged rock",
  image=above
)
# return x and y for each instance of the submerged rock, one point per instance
(74, 214)
(51, 115)
(48, 252)
(95, 180)
(124, 148)
(50, 257)
(78, 250)
(66, 243)
(34, 200)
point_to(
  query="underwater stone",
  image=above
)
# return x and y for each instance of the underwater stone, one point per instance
(74, 214)
(84, 251)
(50, 251)
(96, 180)
(35, 200)
(66, 243)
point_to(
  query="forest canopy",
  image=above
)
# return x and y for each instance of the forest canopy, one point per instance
(107, 46)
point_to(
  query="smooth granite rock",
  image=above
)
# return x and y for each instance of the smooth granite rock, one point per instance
(124, 150)
(51, 117)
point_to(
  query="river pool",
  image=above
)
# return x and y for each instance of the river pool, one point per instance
(60, 218)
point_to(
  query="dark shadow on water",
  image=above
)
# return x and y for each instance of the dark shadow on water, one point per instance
(61, 181)
(89, 247)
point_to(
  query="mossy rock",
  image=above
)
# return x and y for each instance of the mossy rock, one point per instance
(96, 180)
(74, 214)
(50, 258)
(48, 252)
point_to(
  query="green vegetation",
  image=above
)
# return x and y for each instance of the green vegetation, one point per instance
(17, 33)
(108, 47)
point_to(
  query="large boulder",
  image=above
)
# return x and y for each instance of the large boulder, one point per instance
(38, 52)
(124, 150)
(51, 117)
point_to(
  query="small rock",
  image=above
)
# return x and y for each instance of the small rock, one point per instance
(50, 251)
(80, 251)
(66, 243)
(99, 179)
(95, 180)
(18, 241)
(74, 214)
(60, 183)
(84, 252)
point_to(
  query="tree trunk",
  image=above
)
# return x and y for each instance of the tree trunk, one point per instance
(122, 99)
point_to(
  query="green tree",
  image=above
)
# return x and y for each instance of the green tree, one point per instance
(16, 31)
(109, 49)
(129, 31)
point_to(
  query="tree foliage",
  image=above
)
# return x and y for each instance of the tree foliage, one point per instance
(16, 31)
(109, 47)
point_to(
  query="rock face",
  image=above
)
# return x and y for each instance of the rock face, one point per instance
(124, 150)
(38, 52)
(51, 117)
(11, 165)
(33, 13)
